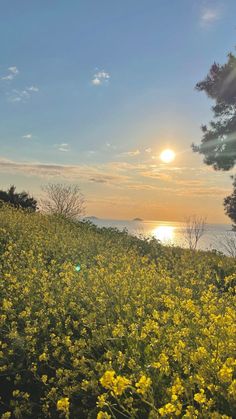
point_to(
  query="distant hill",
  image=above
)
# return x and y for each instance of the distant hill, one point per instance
(92, 217)
(137, 219)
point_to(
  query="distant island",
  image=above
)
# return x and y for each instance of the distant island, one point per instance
(137, 219)
(92, 217)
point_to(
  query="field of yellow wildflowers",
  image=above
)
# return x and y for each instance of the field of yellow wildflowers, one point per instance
(142, 331)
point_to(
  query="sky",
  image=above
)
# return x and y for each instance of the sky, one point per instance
(92, 91)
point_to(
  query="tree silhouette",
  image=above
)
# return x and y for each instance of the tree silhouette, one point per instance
(18, 200)
(230, 204)
(218, 144)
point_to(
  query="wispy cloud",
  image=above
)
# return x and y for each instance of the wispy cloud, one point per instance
(92, 173)
(12, 73)
(100, 78)
(124, 176)
(27, 136)
(21, 95)
(64, 147)
(33, 89)
(209, 16)
(131, 153)
(148, 150)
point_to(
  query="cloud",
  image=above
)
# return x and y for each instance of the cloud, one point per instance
(64, 147)
(27, 136)
(96, 81)
(13, 71)
(97, 174)
(148, 150)
(97, 180)
(18, 95)
(158, 175)
(100, 78)
(131, 153)
(21, 95)
(209, 16)
(33, 89)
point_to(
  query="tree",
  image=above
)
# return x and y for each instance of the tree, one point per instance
(230, 204)
(62, 199)
(18, 200)
(228, 244)
(218, 144)
(194, 229)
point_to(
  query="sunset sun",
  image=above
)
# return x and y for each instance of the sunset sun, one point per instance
(167, 156)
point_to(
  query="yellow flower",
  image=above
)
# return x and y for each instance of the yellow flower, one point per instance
(167, 409)
(120, 384)
(107, 380)
(63, 404)
(177, 387)
(143, 385)
(225, 374)
(103, 415)
(6, 415)
(191, 413)
(101, 402)
(200, 397)
(44, 378)
(116, 384)
(43, 357)
(16, 393)
(232, 389)
(162, 364)
(6, 304)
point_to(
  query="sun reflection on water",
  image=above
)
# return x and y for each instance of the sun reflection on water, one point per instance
(164, 233)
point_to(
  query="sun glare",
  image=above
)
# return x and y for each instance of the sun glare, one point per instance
(167, 156)
(164, 233)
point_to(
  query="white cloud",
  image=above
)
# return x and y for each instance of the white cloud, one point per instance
(148, 150)
(96, 81)
(64, 147)
(27, 136)
(209, 16)
(33, 89)
(100, 77)
(8, 77)
(13, 71)
(21, 95)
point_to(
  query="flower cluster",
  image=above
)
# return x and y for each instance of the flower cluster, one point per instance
(141, 331)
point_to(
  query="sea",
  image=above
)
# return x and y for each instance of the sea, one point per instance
(219, 237)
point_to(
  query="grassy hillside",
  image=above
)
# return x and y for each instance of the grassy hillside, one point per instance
(142, 331)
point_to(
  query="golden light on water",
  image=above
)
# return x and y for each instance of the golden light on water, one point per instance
(164, 233)
(167, 155)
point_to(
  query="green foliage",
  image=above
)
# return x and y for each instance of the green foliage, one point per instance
(142, 331)
(230, 204)
(18, 200)
(218, 143)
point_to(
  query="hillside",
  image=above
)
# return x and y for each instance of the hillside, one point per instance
(142, 331)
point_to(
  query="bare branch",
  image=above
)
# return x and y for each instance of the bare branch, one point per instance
(228, 244)
(194, 229)
(63, 199)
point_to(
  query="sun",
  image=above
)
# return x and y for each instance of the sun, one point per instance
(167, 155)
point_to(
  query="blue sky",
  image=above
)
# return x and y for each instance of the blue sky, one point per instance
(91, 93)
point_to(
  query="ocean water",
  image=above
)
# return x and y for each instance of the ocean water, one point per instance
(216, 236)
